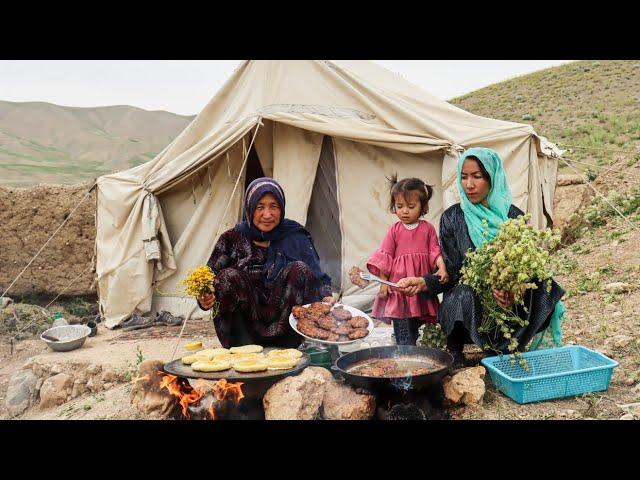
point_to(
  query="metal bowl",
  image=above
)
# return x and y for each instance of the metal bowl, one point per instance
(71, 337)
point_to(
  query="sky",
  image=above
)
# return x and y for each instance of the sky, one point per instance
(186, 86)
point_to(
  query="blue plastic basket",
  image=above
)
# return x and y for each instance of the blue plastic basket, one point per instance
(553, 373)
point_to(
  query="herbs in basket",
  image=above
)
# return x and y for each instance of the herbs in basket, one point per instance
(515, 260)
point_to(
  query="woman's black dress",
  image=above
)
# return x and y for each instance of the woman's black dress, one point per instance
(460, 309)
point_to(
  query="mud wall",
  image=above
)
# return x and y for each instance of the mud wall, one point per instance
(28, 217)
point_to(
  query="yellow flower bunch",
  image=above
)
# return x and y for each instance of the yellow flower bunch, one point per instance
(199, 281)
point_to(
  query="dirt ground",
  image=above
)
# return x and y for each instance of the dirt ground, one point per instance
(597, 318)
(112, 350)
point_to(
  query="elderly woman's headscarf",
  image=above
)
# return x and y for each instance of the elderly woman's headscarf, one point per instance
(289, 241)
(499, 197)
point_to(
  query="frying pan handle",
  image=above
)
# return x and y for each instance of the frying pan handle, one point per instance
(337, 373)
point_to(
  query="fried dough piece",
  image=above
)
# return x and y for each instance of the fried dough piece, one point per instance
(211, 366)
(246, 349)
(189, 359)
(282, 363)
(193, 346)
(251, 366)
(213, 352)
(224, 357)
(243, 357)
(285, 353)
(359, 322)
(358, 333)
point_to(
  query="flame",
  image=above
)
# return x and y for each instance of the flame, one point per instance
(141, 379)
(221, 390)
(182, 390)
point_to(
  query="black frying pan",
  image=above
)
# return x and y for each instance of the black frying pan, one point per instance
(440, 358)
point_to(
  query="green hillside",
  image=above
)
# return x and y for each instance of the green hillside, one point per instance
(589, 108)
(45, 143)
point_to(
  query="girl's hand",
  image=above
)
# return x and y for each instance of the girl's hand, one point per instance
(384, 291)
(412, 285)
(503, 298)
(207, 300)
(329, 300)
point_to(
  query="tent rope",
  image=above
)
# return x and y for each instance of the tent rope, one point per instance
(244, 163)
(47, 242)
(634, 226)
(184, 324)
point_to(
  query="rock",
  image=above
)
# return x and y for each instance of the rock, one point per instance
(564, 180)
(616, 287)
(55, 390)
(79, 388)
(627, 416)
(629, 381)
(94, 384)
(109, 376)
(341, 402)
(465, 386)
(41, 369)
(147, 396)
(56, 369)
(5, 301)
(94, 369)
(22, 392)
(616, 314)
(107, 386)
(295, 398)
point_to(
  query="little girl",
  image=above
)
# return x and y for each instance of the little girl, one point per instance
(409, 249)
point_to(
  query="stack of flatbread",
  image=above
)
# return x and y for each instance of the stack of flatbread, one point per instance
(247, 358)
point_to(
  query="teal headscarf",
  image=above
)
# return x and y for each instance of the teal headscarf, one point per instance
(499, 198)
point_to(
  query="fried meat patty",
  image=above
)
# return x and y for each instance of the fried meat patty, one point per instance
(359, 322)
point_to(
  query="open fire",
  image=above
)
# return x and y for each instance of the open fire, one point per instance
(207, 400)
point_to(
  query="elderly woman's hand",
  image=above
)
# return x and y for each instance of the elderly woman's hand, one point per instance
(207, 300)
(503, 298)
(329, 300)
(412, 285)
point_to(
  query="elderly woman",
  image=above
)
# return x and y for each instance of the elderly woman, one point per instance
(264, 266)
(484, 195)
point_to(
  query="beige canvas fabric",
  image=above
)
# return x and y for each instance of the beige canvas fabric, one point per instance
(379, 122)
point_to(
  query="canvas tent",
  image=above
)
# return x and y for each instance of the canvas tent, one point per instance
(329, 132)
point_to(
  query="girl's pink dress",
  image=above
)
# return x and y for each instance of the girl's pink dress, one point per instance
(406, 253)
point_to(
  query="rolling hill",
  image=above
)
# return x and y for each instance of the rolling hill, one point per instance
(45, 143)
(589, 108)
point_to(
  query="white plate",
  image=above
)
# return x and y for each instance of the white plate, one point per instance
(353, 311)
